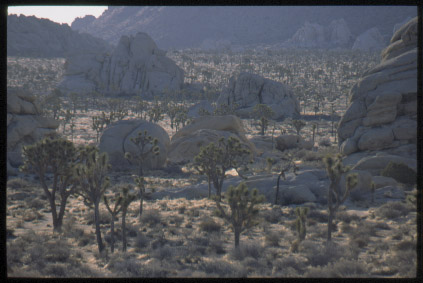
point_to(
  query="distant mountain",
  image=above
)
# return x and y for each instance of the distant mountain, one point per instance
(34, 37)
(194, 26)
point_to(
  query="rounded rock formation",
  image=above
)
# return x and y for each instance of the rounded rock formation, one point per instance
(115, 140)
(381, 119)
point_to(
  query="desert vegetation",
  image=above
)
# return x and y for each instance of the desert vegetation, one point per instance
(70, 215)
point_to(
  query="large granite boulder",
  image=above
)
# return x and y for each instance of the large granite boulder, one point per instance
(187, 142)
(136, 66)
(369, 40)
(25, 126)
(33, 37)
(381, 119)
(248, 90)
(115, 140)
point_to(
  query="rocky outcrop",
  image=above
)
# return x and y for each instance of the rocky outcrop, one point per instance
(284, 142)
(79, 23)
(33, 37)
(25, 126)
(369, 40)
(248, 90)
(381, 120)
(115, 140)
(187, 142)
(191, 27)
(201, 106)
(312, 35)
(136, 66)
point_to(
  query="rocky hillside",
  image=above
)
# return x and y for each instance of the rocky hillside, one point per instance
(33, 37)
(182, 27)
(381, 120)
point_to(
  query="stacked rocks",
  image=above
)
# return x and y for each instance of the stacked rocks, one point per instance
(382, 116)
(247, 90)
(135, 66)
(25, 126)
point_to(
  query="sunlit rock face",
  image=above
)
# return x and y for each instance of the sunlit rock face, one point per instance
(369, 40)
(248, 90)
(25, 126)
(381, 118)
(136, 66)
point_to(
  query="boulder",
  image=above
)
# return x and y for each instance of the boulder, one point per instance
(187, 142)
(364, 184)
(248, 90)
(115, 141)
(135, 66)
(382, 181)
(203, 105)
(25, 126)
(369, 40)
(382, 115)
(387, 193)
(375, 164)
(288, 141)
(297, 195)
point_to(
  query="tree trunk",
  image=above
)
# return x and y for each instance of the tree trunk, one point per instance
(61, 211)
(277, 188)
(56, 226)
(112, 228)
(330, 217)
(124, 231)
(237, 232)
(141, 201)
(209, 187)
(97, 226)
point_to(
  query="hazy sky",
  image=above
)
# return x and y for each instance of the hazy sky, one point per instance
(58, 14)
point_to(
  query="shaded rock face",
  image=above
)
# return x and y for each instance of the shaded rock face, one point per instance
(248, 90)
(25, 126)
(382, 116)
(115, 140)
(369, 40)
(136, 66)
(312, 35)
(187, 142)
(33, 37)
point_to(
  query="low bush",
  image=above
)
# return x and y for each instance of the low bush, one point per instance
(392, 210)
(222, 268)
(209, 225)
(251, 249)
(272, 239)
(339, 269)
(273, 215)
(151, 217)
(321, 255)
(18, 183)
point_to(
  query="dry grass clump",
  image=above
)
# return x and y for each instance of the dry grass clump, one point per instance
(18, 183)
(360, 236)
(273, 215)
(272, 239)
(222, 268)
(253, 250)
(126, 265)
(151, 217)
(342, 268)
(392, 210)
(209, 225)
(321, 254)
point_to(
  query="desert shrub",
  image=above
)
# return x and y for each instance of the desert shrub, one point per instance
(382, 225)
(18, 183)
(151, 217)
(283, 266)
(123, 264)
(30, 215)
(321, 254)
(402, 263)
(321, 217)
(56, 270)
(181, 209)
(400, 172)
(177, 220)
(404, 246)
(105, 217)
(142, 241)
(342, 268)
(36, 203)
(84, 240)
(361, 236)
(272, 239)
(70, 230)
(347, 217)
(57, 251)
(252, 250)
(162, 253)
(209, 225)
(325, 142)
(273, 215)
(311, 156)
(392, 210)
(216, 246)
(222, 268)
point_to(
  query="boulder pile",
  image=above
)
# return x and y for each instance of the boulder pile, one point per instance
(25, 126)
(248, 90)
(380, 123)
(136, 66)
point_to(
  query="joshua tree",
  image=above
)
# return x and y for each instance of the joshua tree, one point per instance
(290, 166)
(98, 125)
(215, 159)
(243, 208)
(74, 99)
(93, 182)
(181, 118)
(335, 169)
(314, 132)
(298, 125)
(155, 113)
(117, 108)
(58, 157)
(263, 113)
(146, 145)
(117, 200)
(127, 198)
(300, 222)
(67, 118)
